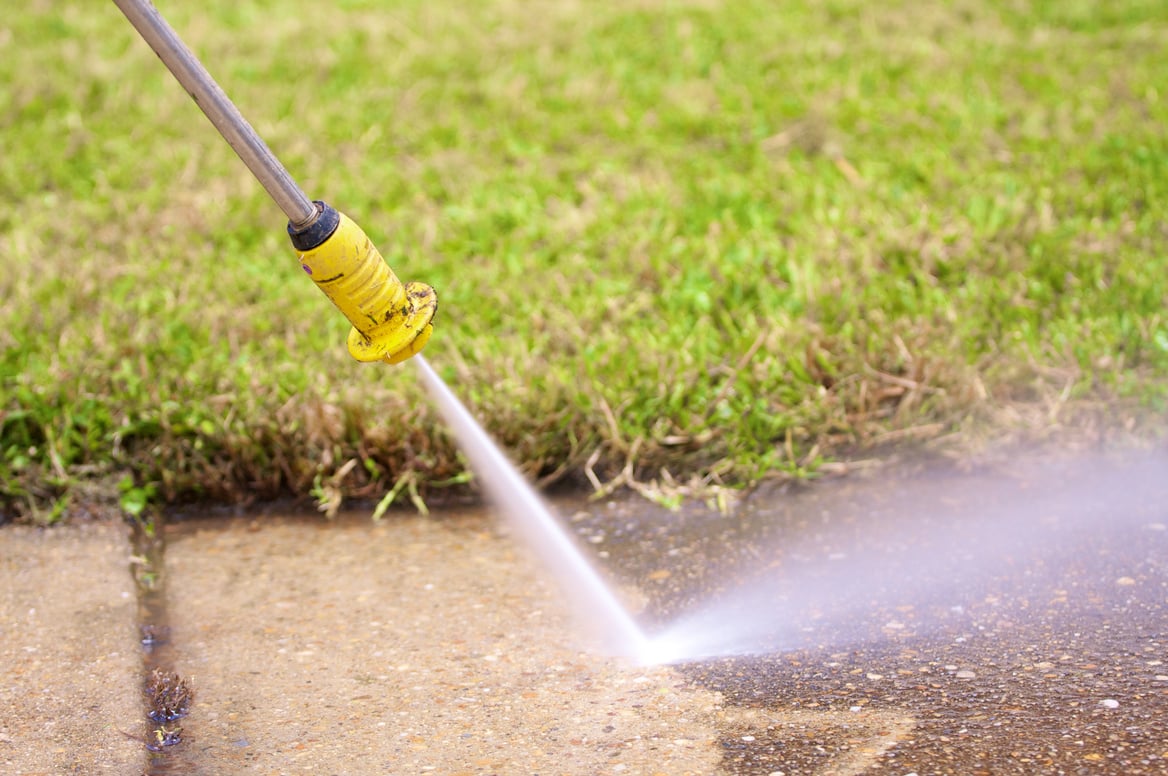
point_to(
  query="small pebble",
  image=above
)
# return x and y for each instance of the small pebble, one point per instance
(1109, 703)
(1125, 581)
(965, 674)
(748, 739)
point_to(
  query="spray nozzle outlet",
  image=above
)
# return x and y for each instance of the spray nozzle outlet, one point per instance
(392, 321)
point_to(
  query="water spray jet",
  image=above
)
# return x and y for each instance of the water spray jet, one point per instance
(593, 599)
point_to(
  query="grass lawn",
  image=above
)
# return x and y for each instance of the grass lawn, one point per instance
(683, 243)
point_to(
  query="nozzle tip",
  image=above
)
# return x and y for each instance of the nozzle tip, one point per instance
(386, 344)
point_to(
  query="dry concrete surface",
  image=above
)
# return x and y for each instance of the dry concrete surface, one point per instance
(70, 672)
(411, 646)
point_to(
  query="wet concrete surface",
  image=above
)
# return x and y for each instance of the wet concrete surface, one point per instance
(70, 672)
(1007, 620)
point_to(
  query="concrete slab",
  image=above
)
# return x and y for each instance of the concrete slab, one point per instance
(69, 666)
(412, 646)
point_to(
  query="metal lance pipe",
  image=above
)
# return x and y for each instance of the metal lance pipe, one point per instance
(215, 103)
(392, 321)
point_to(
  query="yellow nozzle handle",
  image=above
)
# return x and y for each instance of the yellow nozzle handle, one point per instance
(391, 320)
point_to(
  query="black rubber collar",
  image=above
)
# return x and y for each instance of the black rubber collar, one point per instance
(314, 235)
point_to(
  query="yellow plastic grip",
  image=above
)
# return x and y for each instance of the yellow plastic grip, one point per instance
(391, 320)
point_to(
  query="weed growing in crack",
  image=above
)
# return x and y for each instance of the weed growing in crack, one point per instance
(169, 696)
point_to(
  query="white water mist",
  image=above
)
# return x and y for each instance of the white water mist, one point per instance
(928, 546)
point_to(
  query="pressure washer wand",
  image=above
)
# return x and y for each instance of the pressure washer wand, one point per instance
(391, 320)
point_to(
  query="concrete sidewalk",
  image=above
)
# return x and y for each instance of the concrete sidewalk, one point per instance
(70, 669)
(941, 623)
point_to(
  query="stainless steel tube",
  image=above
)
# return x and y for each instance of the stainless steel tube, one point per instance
(214, 102)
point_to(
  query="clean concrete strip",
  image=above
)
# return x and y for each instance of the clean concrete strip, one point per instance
(70, 678)
(411, 646)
